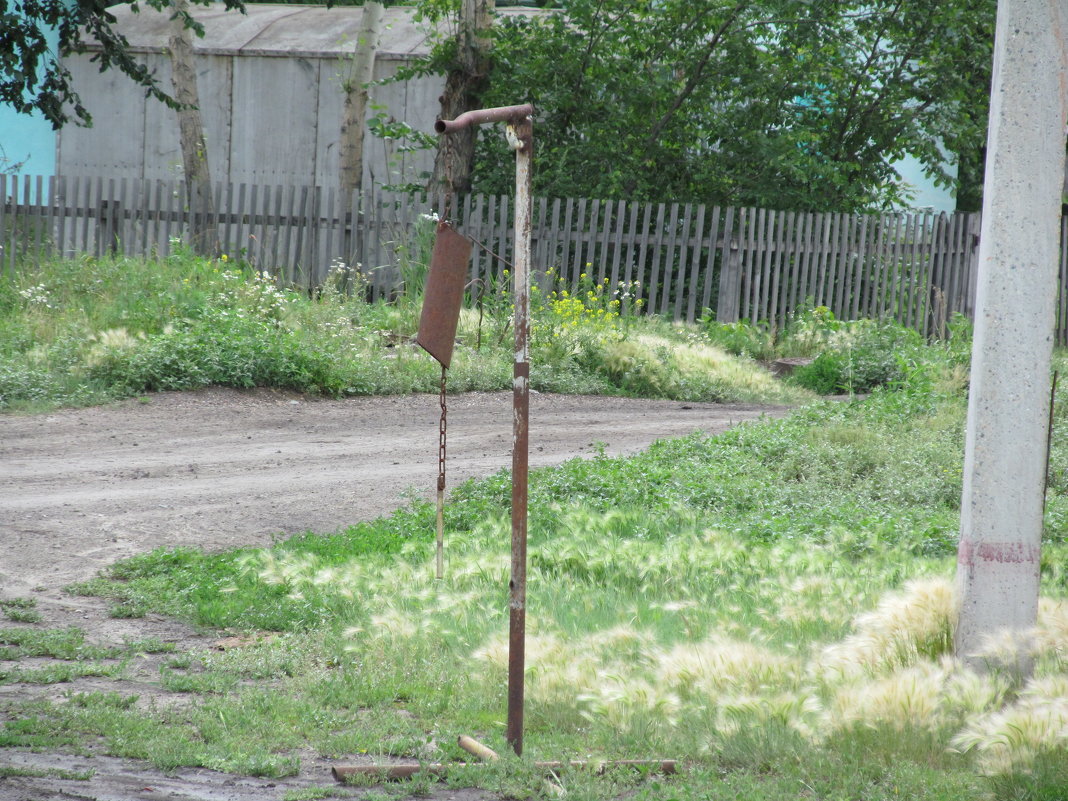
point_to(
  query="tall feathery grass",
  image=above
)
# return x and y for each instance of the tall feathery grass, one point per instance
(686, 645)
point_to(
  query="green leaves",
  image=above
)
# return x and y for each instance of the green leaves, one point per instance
(31, 78)
(775, 103)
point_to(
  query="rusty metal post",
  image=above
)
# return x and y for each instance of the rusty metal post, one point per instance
(521, 138)
(520, 134)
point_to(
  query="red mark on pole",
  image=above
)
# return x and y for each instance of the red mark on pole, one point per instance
(1002, 552)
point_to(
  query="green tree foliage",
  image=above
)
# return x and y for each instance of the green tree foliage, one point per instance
(795, 104)
(31, 77)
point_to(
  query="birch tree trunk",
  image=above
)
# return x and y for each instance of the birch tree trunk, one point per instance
(191, 133)
(353, 121)
(464, 85)
(354, 118)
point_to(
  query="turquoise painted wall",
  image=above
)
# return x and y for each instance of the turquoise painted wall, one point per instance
(925, 194)
(28, 137)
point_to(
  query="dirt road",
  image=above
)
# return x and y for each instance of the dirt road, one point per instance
(220, 468)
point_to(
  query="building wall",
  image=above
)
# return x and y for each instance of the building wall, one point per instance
(28, 138)
(268, 120)
(926, 195)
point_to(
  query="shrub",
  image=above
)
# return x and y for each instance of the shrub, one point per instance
(741, 338)
(862, 356)
(634, 367)
(808, 331)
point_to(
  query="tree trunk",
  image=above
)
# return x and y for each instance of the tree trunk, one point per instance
(191, 133)
(353, 121)
(464, 85)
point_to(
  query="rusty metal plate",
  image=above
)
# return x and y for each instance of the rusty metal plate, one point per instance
(444, 293)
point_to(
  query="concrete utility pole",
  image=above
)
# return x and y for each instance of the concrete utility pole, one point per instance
(1008, 409)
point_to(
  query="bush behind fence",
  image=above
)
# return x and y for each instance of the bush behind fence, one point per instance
(679, 259)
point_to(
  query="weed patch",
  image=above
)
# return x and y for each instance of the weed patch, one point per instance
(77, 333)
(21, 610)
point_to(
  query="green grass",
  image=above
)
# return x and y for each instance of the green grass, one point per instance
(73, 657)
(772, 606)
(21, 610)
(51, 773)
(83, 332)
(699, 601)
(68, 644)
(58, 673)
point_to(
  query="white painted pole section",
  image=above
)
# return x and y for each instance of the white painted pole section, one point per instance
(1008, 410)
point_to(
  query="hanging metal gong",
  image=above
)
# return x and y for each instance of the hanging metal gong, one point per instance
(444, 293)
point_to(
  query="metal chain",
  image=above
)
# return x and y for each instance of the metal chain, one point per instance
(449, 147)
(441, 432)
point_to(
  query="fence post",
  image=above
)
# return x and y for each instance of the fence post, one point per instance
(975, 220)
(108, 214)
(729, 278)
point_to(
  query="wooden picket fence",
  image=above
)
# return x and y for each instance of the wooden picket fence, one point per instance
(681, 260)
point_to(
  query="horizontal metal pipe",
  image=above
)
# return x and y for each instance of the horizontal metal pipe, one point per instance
(395, 772)
(483, 115)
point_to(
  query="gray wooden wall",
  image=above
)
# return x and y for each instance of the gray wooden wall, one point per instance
(269, 120)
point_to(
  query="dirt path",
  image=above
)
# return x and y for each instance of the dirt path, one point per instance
(221, 468)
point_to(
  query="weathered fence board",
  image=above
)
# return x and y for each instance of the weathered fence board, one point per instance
(684, 261)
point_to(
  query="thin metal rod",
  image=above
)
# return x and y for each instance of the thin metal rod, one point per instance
(1049, 440)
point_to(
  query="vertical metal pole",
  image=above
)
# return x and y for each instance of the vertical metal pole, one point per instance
(520, 135)
(1004, 481)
